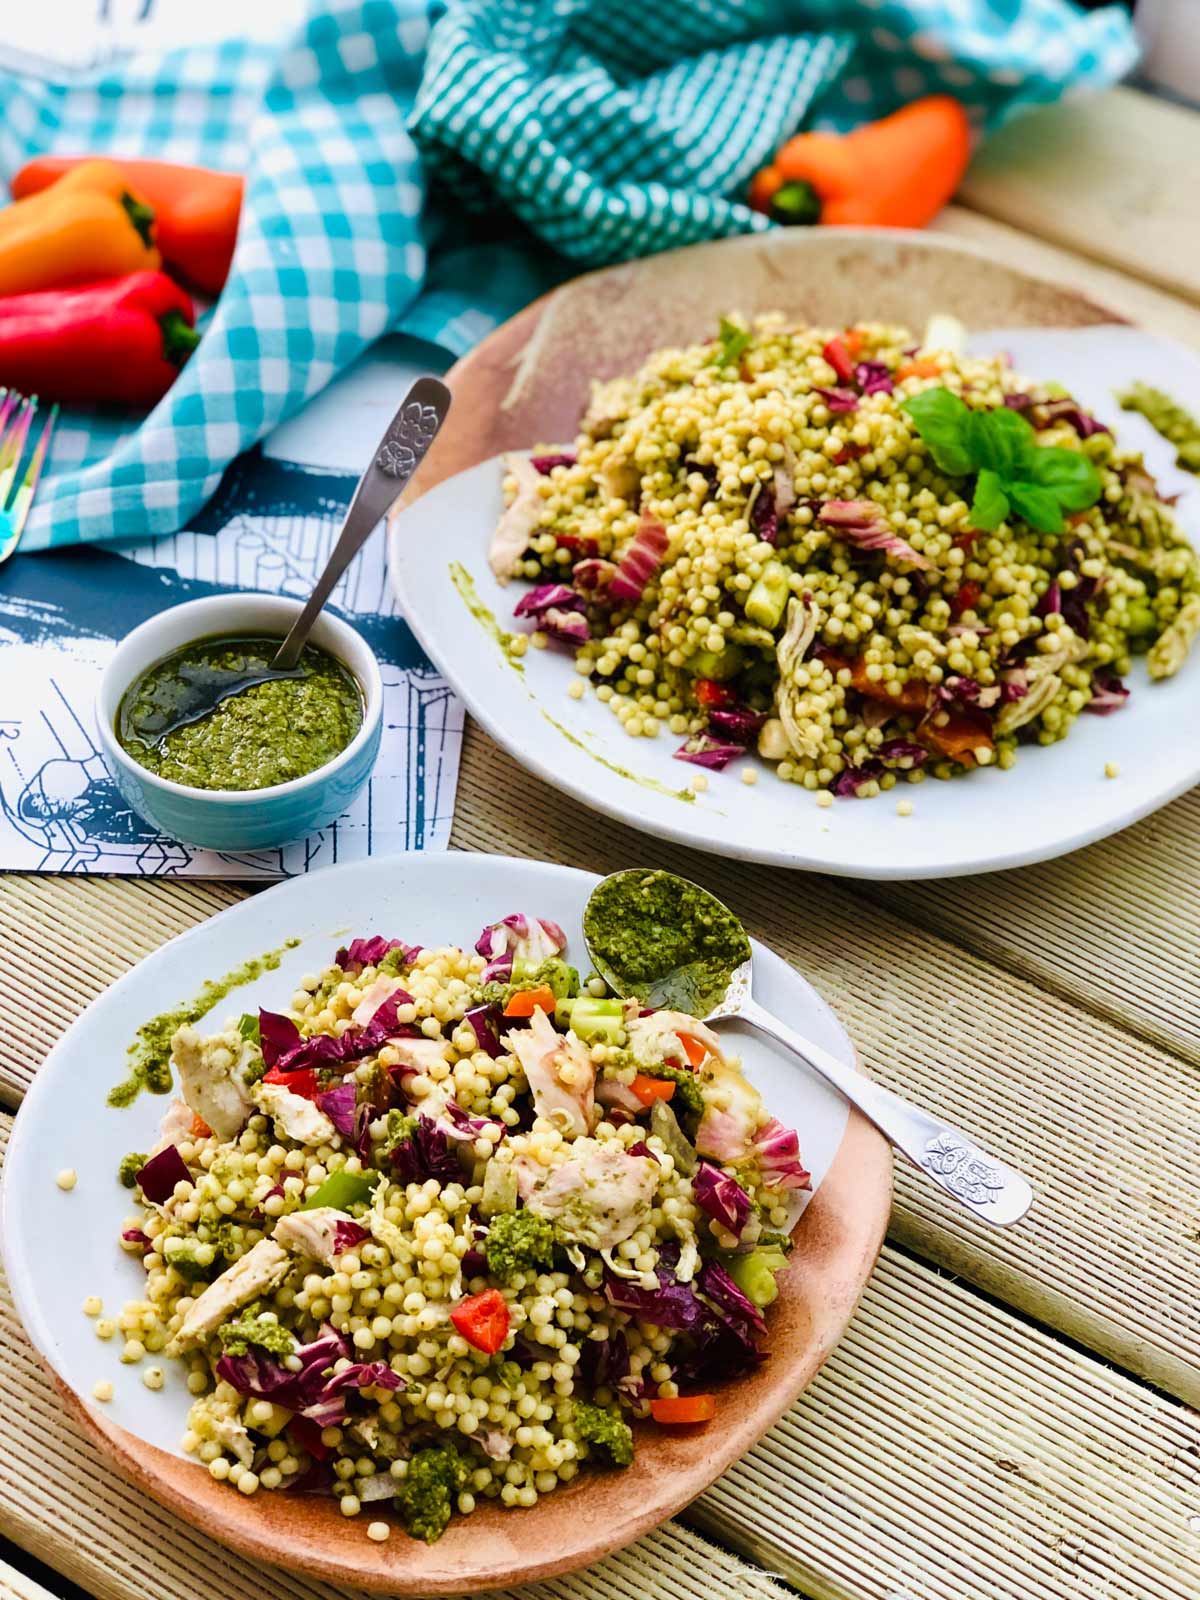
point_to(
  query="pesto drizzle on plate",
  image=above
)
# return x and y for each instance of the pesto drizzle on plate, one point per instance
(149, 1055)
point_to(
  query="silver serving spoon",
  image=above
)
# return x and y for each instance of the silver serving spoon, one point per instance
(993, 1191)
(400, 452)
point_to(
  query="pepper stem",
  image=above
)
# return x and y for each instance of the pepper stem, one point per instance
(796, 204)
(178, 336)
(142, 217)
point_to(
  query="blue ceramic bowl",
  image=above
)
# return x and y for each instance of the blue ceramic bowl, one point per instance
(236, 819)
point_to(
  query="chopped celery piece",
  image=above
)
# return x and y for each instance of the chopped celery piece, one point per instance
(766, 601)
(342, 1189)
(597, 1019)
(754, 1273)
(717, 665)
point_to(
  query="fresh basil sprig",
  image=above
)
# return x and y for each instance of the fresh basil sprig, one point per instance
(1014, 473)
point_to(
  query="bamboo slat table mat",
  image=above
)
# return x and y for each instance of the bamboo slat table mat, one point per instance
(956, 1445)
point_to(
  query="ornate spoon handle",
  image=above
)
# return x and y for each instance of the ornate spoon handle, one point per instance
(401, 450)
(984, 1185)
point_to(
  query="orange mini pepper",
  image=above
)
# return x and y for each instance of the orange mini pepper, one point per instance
(196, 210)
(90, 225)
(895, 173)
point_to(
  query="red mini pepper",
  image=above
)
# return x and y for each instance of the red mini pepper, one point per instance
(120, 341)
(482, 1319)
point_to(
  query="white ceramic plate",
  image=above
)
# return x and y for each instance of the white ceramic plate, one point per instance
(60, 1247)
(1053, 801)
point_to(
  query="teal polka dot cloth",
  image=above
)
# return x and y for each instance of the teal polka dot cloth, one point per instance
(408, 171)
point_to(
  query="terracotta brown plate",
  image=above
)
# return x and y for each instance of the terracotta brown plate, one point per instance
(529, 380)
(60, 1247)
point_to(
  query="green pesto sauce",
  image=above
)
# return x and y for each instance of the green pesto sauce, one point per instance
(621, 772)
(1168, 417)
(663, 940)
(265, 735)
(469, 595)
(149, 1055)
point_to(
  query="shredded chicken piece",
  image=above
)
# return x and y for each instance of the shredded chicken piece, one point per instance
(733, 1113)
(599, 1196)
(210, 1079)
(260, 1270)
(373, 997)
(176, 1125)
(798, 730)
(560, 1073)
(657, 1038)
(294, 1116)
(1018, 712)
(1169, 651)
(511, 538)
(312, 1233)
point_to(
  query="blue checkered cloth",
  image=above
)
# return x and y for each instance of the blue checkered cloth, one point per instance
(606, 128)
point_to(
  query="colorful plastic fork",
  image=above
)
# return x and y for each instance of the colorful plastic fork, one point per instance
(17, 487)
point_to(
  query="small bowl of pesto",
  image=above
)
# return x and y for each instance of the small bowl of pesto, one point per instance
(272, 763)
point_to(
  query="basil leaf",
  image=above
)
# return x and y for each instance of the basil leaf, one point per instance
(943, 421)
(1003, 441)
(733, 342)
(1068, 474)
(990, 506)
(1038, 506)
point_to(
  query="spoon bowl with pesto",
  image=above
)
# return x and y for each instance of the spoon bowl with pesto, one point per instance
(659, 939)
(278, 761)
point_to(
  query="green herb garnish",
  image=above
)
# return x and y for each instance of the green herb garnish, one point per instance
(1014, 473)
(733, 341)
(248, 1027)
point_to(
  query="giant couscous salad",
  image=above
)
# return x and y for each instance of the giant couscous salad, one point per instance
(870, 560)
(441, 1233)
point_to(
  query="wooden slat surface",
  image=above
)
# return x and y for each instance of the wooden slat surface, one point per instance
(1100, 1120)
(1115, 928)
(946, 1450)
(1112, 178)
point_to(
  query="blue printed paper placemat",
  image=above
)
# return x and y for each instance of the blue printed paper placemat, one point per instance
(269, 527)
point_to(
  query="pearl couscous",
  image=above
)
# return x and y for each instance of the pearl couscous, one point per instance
(751, 544)
(440, 1234)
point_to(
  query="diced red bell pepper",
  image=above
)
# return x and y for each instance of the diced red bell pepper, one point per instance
(838, 357)
(482, 1319)
(526, 1001)
(965, 598)
(714, 695)
(965, 540)
(304, 1083)
(305, 1434)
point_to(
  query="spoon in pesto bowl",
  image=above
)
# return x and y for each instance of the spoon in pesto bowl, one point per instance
(660, 939)
(201, 689)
